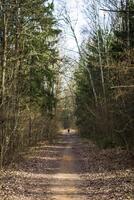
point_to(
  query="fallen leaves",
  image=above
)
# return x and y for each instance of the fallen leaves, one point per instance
(94, 174)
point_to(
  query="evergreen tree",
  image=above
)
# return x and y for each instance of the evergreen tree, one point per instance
(28, 72)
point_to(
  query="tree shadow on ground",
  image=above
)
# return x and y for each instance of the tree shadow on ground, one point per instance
(88, 159)
(96, 173)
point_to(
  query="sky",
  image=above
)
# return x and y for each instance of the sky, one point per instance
(74, 9)
(67, 44)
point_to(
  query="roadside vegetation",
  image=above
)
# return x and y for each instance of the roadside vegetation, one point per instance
(104, 76)
(28, 75)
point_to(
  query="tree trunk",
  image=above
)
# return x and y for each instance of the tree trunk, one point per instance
(3, 78)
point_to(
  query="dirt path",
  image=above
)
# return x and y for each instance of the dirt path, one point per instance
(68, 182)
(71, 169)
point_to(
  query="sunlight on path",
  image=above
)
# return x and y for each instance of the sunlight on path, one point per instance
(70, 169)
(66, 182)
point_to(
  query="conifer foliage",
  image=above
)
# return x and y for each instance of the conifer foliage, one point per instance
(108, 55)
(28, 73)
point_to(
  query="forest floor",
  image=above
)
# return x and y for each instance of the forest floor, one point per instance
(71, 169)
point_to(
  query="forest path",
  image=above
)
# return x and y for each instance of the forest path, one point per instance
(70, 169)
(68, 183)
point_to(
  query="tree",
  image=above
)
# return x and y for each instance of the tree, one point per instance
(29, 37)
(109, 123)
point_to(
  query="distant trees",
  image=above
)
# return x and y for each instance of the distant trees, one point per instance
(66, 105)
(108, 54)
(28, 74)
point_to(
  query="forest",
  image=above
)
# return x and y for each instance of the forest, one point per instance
(104, 80)
(29, 74)
(66, 99)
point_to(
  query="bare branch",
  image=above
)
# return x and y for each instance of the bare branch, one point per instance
(122, 86)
